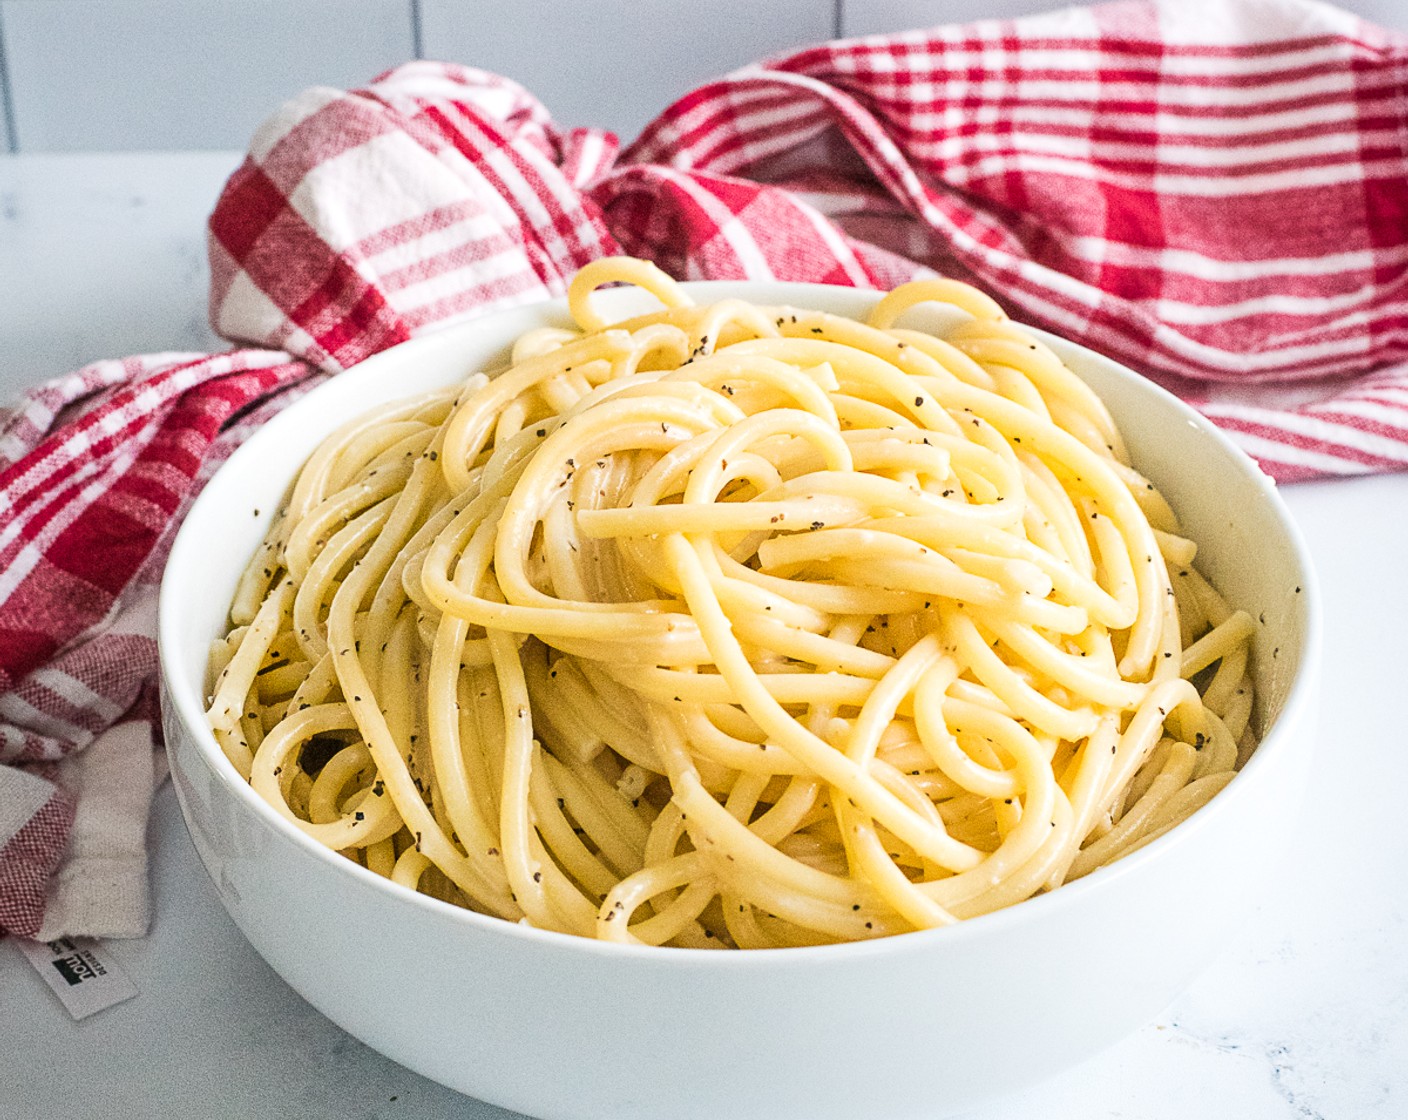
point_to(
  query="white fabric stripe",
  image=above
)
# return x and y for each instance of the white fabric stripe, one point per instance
(484, 271)
(1167, 121)
(1392, 394)
(1270, 451)
(1082, 89)
(1167, 182)
(1322, 431)
(839, 203)
(76, 693)
(1366, 410)
(747, 117)
(1224, 157)
(420, 248)
(1192, 263)
(19, 711)
(1189, 314)
(1033, 54)
(21, 796)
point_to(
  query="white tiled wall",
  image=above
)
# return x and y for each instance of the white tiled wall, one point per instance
(878, 17)
(154, 74)
(117, 74)
(616, 63)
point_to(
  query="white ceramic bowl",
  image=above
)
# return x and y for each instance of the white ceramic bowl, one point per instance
(922, 1024)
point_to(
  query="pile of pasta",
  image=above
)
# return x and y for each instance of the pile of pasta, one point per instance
(735, 626)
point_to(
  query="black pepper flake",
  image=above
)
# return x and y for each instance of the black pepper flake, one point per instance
(869, 925)
(816, 330)
(537, 876)
(358, 816)
(492, 852)
(918, 401)
(433, 456)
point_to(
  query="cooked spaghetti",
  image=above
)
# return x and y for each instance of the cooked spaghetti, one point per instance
(735, 626)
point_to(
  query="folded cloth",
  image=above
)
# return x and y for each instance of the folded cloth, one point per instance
(1216, 195)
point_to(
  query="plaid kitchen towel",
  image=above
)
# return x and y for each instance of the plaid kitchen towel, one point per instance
(1215, 194)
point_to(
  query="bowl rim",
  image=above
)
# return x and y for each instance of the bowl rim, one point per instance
(176, 691)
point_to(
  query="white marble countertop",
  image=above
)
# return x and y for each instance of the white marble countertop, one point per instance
(1304, 1016)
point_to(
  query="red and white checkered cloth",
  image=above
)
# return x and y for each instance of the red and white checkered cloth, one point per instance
(1218, 199)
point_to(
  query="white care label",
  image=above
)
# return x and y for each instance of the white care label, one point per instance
(82, 973)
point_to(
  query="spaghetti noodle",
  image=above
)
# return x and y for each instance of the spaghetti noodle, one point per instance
(735, 626)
